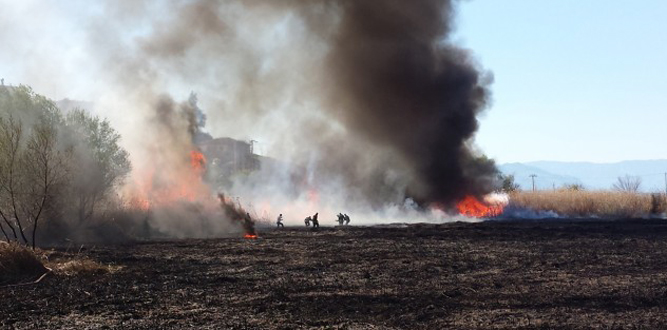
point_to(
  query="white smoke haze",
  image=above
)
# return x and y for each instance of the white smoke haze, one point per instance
(513, 213)
(261, 70)
(496, 198)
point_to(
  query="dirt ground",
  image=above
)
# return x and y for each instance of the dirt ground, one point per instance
(493, 275)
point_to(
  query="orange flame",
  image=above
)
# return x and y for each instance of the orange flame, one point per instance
(198, 161)
(153, 189)
(235, 212)
(472, 207)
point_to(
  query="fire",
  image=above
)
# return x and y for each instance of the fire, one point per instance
(472, 207)
(235, 212)
(158, 187)
(197, 161)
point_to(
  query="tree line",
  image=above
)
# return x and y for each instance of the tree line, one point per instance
(56, 170)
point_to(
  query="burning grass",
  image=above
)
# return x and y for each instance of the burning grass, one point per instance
(491, 206)
(605, 204)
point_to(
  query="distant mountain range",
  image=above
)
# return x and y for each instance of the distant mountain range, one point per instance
(592, 176)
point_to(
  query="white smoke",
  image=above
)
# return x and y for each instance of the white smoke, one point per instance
(257, 69)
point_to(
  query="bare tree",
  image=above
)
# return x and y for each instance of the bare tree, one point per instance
(45, 171)
(11, 136)
(628, 183)
(39, 148)
(31, 172)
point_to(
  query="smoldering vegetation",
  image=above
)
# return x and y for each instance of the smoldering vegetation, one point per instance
(362, 107)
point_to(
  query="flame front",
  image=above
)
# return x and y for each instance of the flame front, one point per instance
(154, 187)
(472, 207)
(197, 161)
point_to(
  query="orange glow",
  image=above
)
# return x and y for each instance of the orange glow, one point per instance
(156, 187)
(313, 196)
(472, 207)
(250, 236)
(197, 161)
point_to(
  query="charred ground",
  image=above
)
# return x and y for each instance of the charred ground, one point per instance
(494, 275)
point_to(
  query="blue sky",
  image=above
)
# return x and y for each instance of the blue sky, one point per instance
(574, 80)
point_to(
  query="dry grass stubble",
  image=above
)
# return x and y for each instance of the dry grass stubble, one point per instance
(19, 264)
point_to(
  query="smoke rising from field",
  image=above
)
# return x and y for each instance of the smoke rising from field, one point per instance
(366, 104)
(400, 84)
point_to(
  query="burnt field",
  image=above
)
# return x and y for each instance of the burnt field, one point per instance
(497, 275)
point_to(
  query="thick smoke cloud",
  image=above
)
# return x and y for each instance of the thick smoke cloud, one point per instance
(400, 84)
(370, 95)
(366, 106)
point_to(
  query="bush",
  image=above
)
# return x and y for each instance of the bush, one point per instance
(508, 184)
(19, 264)
(574, 187)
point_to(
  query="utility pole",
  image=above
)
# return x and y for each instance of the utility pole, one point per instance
(665, 183)
(533, 176)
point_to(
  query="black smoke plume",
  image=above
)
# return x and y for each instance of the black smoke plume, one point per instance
(400, 83)
(237, 214)
(371, 99)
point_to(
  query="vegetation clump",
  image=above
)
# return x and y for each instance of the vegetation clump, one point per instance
(81, 266)
(21, 265)
(17, 263)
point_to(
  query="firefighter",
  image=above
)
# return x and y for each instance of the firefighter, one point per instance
(341, 218)
(307, 221)
(316, 223)
(280, 221)
(347, 219)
